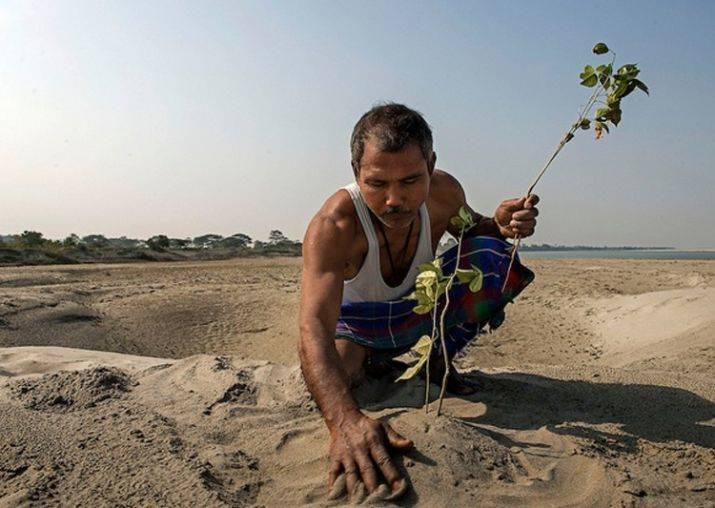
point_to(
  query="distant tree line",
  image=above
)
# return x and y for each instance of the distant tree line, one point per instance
(546, 246)
(277, 243)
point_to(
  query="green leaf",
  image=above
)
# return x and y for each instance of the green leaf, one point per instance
(465, 276)
(457, 221)
(630, 86)
(420, 296)
(604, 74)
(620, 89)
(628, 71)
(432, 266)
(585, 124)
(478, 275)
(423, 345)
(476, 283)
(465, 216)
(422, 309)
(590, 81)
(423, 348)
(615, 116)
(587, 71)
(426, 267)
(603, 112)
(412, 371)
(600, 48)
(612, 101)
(426, 279)
(641, 86)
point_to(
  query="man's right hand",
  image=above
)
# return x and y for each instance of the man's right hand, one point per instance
(359, 451)
(358, 445)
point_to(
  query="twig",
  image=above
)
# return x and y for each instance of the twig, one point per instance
(567, 137)
(441, 323)
(434, 331)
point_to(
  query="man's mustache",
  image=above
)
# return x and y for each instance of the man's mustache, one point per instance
(395, 210)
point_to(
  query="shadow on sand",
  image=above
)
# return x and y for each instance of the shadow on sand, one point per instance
(655, 413)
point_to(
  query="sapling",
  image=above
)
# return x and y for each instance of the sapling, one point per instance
(609, 89)
(431, 283)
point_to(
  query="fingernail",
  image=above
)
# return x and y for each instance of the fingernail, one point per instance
(338, 488)
(381, 493)
(398, 489)
(359, 493)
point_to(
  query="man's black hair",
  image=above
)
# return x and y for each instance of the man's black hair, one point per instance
(394, 126)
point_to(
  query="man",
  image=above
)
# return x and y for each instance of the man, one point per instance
(364, 245)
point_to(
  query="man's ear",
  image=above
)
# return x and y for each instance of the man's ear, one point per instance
(431, 163)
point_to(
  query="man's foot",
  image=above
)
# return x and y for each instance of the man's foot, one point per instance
(460, 385)
(457, 384)
(383, 367)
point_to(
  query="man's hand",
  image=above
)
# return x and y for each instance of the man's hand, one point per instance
(358, 445)
(517, 217)
(359, 459)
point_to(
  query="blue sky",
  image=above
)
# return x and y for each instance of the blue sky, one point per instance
(138, 118)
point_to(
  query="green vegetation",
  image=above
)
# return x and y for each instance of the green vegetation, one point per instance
(548, 247)
(431, 283)
(609, 89)
(31, 247)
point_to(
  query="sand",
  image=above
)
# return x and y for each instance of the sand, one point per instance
(176, 384)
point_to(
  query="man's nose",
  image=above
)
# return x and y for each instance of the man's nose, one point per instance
(394, 198)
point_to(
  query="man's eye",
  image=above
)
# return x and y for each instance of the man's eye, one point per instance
(375, 184)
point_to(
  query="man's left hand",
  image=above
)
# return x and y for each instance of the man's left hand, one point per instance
(517, 217)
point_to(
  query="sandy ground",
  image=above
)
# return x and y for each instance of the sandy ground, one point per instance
(177, 385)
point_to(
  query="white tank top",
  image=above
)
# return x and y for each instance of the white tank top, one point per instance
(368, 285)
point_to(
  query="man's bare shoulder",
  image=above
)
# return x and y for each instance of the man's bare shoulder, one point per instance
(334, 224)
(338, 210)
(445, 189)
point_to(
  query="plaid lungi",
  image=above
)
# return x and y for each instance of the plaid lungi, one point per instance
(391, 325)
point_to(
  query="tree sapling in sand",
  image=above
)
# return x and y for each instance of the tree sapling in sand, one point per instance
(431, 283)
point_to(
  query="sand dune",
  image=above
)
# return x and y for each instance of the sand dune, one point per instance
(208, 430)
(653, 325)
(598, 391)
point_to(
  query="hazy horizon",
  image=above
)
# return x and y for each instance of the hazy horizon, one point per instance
(529, 242)
(131, 119)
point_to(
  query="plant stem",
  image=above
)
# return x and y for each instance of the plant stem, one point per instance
(567, 137)
(443, 389)
(434, 331)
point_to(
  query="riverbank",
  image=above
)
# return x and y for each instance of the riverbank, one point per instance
(177, 383)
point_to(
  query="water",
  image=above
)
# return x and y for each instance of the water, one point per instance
(618, 254)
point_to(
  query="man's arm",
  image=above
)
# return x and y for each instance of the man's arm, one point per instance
(325, 249)
(512, 217)
(358, 444)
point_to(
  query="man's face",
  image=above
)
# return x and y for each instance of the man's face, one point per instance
(394, 184)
